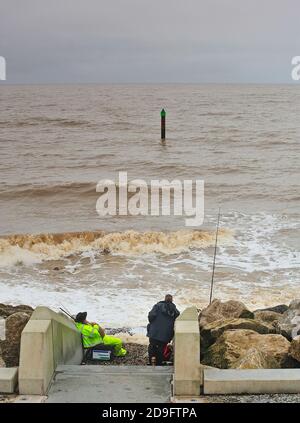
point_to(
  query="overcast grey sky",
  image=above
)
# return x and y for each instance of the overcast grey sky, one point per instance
(149, 41)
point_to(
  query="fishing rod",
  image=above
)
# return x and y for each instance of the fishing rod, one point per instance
(214, 262)
(68, 314)
(65, 308)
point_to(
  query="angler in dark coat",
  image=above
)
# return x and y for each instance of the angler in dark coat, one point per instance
(160, 329)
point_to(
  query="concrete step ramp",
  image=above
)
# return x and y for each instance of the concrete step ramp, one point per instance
(111, 384)
(252, 381)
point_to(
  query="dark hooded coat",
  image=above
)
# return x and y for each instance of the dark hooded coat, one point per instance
(161, 321)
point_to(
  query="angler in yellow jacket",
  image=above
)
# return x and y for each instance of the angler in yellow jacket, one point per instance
(93, 334)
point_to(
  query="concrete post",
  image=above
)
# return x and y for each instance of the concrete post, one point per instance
(48, 339)
(187, 373)
(36, 358)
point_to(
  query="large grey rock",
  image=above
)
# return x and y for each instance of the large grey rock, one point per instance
(295, 348)
(2, 328)
(7, 310)
(220, 311)
(289, 323)
(266, 316)
(10, 347)
(255, 359)
(14, 326)
(212, 331)
(2, 362)
(234, 345)
(281, 308)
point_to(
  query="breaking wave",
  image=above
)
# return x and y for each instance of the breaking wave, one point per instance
(30, 249)
(42, 120)
(29, 190)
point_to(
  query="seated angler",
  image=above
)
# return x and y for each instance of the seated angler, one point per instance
(93, 335)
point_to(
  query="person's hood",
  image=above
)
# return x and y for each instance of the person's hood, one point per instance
(168, 309)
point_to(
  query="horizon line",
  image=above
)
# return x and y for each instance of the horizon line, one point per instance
(6, 83)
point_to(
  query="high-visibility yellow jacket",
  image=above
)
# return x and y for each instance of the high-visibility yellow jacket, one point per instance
(90, 334)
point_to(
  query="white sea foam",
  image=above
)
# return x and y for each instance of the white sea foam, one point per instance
(254, 265)
(13, 255)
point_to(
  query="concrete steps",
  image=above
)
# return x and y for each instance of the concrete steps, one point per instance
(8, 379)
(111, 384)
(252, 381)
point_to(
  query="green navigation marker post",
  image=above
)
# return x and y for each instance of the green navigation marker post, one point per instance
(163, 124)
